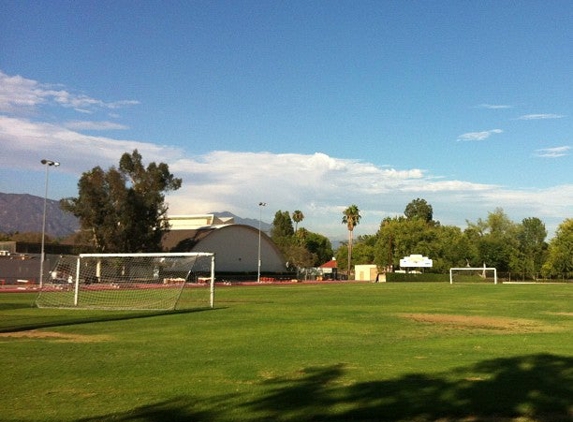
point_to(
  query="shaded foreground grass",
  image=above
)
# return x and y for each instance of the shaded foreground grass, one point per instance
(354, 352)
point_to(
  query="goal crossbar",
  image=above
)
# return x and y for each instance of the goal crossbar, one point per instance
(473, 269)
(144, 254)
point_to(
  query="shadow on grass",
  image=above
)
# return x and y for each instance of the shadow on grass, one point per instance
(178, 409)
(538, 387)
(27, 323)
(526, 388)
(10, 306)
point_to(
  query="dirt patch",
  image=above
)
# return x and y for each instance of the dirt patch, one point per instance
(498, 324)
(55, 336)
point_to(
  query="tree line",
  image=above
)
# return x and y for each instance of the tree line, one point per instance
(123, 209)
(520, 250)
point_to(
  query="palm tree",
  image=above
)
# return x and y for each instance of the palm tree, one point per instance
(297, 217)
(351, 218)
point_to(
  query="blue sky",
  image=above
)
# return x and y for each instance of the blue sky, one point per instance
(303, 105)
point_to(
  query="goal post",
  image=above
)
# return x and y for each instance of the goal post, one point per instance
(481, 272)
(131, 281)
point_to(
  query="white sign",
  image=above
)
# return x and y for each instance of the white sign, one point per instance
(416, 261)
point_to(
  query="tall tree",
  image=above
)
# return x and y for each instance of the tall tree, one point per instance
(495, 240)
(399, 237)
(531, 250)
(292, 247)
(363, 249)
(318, 245)
(282, 227)
(297, 217)
(560, 254)
(419, 208)
(123, 209)
(351, 217)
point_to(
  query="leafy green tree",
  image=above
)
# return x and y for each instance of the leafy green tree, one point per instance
(319, 246)
(494, 252)
(297, 255)
(419, 208)
(341, 255)
(363, 250)
(123, 209)
(282, 234)
(452, 249)
(495, 240)
(351, 217)
(560, 253)
(531, 250)
(282, 227)
(385, 244)
(399, 237)
(297, 217)
(301, 248)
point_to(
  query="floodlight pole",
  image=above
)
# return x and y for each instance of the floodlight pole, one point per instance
(48, 164)
(261, 205)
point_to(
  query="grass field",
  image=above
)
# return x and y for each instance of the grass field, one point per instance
(332, 352)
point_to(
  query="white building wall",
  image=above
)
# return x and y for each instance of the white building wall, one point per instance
(365, 272)
(236, 249)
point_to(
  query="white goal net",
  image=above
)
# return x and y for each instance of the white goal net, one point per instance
(473, 275)
(141, 281)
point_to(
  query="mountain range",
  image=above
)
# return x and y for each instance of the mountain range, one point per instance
(23, 213)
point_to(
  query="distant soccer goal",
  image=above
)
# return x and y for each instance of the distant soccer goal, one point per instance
(143, 281)
(473, 275)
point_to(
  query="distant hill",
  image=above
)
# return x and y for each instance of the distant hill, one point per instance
(23, 213)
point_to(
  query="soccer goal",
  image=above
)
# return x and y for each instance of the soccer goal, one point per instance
(471, 274)
(139, 281)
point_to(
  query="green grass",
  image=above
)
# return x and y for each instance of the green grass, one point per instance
(333, 352)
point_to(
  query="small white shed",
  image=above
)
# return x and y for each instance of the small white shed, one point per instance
(365, 272)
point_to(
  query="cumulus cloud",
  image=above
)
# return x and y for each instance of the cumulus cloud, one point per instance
(540, 116)
(320, 185)
(554, 152)
(478, 136)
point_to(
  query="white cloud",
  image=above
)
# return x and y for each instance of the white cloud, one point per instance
(89, 125)
(18, 94)
(25, 142)
(478, 136)
(318, 184)
(554, 152)
(540, 116)
(495, 106)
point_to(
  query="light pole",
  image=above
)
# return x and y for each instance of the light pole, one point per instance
(261, 205)
(48, 164)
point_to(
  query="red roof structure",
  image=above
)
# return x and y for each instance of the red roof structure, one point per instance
(330, 264)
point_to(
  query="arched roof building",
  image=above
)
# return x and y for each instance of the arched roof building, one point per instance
(236, 246)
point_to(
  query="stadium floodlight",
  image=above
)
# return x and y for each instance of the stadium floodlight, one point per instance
(48, 164)
(261, 205)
